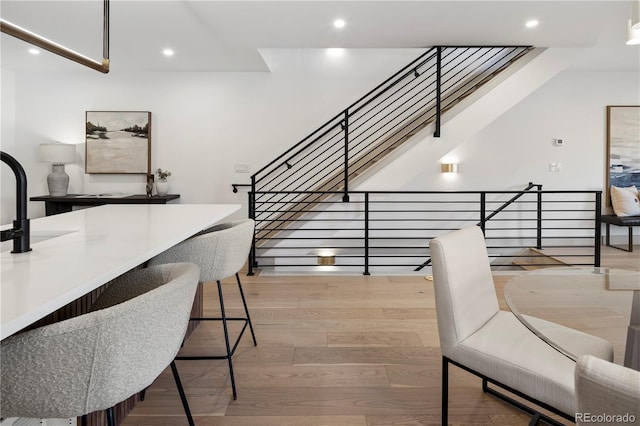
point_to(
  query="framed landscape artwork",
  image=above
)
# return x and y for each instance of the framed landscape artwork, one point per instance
(118, 142)
(623, 146)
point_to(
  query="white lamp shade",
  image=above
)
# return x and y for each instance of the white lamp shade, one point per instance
(57, 153)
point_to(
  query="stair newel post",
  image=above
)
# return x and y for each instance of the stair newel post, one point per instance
(483, 210)
(539, 220)
(436, 134)
(251, 204)
(252, 199)
(345, 127)
(366, 234)
(598, 229)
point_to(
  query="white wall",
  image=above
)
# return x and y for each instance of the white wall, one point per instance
(202, 123)
(517, 147)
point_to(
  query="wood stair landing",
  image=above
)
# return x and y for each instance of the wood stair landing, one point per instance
(532, 258)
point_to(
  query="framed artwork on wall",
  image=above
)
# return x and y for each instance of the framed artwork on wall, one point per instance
(623, 146)
(118, 142)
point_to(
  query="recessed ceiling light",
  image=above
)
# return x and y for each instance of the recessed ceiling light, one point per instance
(34, 51)
(167, 52)
(532, 23)
(339, 23)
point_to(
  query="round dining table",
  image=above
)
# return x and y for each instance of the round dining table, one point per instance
(599, 301)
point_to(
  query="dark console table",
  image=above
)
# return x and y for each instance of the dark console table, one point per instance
(64, 204)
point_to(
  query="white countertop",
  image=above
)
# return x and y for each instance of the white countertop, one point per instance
(88, 248)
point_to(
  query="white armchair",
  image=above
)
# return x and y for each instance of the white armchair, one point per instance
(606, 393)
(478, 337)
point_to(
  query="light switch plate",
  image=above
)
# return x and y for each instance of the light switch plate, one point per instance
(555, 167)
(242, 168)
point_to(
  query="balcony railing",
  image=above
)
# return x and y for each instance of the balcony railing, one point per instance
(389, 232)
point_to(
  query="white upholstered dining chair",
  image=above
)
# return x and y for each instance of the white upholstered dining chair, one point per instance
(478, 337)
(96, 360)
(606, 393)
(220, 252)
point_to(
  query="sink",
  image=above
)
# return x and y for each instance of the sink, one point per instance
(36, 237)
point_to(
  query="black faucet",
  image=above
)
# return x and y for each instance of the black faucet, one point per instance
(20, 231)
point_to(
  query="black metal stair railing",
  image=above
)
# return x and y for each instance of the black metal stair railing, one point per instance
(348, 144)
(389, 232)
(494, 213)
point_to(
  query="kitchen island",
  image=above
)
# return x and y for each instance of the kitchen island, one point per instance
(74, 253)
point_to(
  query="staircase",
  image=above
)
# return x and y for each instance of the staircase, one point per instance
(352, 143)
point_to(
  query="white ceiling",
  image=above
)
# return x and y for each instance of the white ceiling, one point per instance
(227, 35)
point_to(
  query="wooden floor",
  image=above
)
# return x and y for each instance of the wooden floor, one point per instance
(334, 351)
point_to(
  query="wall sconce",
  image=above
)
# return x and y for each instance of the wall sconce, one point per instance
(449, 168)
(326, 259)
(58, 154)
(633, 24)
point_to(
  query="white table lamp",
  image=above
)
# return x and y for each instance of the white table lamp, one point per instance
(58, 154)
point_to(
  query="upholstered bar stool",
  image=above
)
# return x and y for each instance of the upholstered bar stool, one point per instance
(220, 252)
(97, 360)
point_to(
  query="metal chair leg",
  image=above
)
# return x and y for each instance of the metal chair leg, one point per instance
(110, 417)
(183, 397)
(230, 350)
(226, 340)
(246, 310)
(445, 391)
(535, 420)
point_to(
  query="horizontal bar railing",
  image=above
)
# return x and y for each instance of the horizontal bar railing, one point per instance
(387, 231)
(495, 212)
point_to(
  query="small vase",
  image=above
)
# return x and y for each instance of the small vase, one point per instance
(162, 187)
